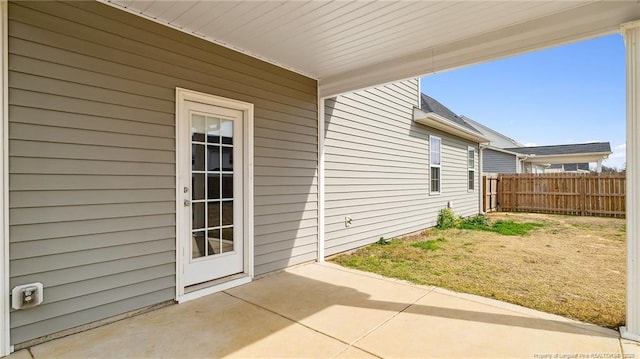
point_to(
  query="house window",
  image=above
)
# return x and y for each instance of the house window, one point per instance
(435, 162)
(471, 173)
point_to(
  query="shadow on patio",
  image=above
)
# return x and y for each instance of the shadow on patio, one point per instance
(322, 310)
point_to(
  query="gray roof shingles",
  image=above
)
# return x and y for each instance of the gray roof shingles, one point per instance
(429, 104)
(578, 148)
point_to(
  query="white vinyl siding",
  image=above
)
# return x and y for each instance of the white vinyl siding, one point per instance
(92, 158)
(377, 168)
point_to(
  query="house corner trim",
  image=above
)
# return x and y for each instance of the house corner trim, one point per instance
(5, 339)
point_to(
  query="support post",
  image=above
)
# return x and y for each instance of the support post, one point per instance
(631, 33)
(321, 136)
(599, 166)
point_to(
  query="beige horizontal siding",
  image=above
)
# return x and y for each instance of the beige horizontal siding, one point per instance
(92, 158)
(38, 248)
(377, 168)
(25, 148)
(127, 299)
(97, 270)
(43, 199)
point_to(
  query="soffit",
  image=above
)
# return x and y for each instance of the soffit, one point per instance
(347, 45)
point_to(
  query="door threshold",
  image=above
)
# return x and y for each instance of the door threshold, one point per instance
(218, 285)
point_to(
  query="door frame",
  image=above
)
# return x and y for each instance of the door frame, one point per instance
(246, 108)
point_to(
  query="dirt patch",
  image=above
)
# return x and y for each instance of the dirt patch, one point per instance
(571, 266)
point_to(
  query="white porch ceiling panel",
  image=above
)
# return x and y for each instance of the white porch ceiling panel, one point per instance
(348, 45)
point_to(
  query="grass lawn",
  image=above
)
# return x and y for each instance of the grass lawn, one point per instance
(571, 266)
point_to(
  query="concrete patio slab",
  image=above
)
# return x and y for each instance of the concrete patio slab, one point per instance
(630, 349)
(21, 354)
(354, 353)
(215, 326)
(326, 311)
(448, 326)
(342, 304)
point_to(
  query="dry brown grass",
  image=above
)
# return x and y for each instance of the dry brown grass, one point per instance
(573, 266)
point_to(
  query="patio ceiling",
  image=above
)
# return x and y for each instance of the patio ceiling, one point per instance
(348, 45)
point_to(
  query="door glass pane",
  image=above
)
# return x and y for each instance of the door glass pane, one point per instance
(212, 154)
(197, 128)
(227, 239)
(227, 213)
(227, 158)
(197, 157)
(213, 130)
(214, 214)
(227, 185)
(213, 186)
(213, 158)
(198, 247)
(226, 130)
(215, 242)
(197, 184)
(197, 211)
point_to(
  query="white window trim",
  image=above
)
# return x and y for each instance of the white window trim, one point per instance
(472, 168)
(431, 165)
(5, 339)
(183, 95)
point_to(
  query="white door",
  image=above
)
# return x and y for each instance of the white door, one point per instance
(210, 179)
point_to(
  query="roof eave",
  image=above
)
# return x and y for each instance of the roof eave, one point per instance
(498, 149)
(433, 120)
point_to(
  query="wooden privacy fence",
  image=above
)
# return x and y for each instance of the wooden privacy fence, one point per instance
(585, 194)
(490, 193)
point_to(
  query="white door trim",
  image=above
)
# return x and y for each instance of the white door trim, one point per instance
(183, 95)
(5, 342)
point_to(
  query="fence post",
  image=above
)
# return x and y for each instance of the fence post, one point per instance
(484, 194)
(500, 193)
(582, 189)
(514, 196)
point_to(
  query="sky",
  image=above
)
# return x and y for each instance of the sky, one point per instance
(568, 94)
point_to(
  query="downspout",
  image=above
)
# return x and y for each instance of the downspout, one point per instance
(522, 168)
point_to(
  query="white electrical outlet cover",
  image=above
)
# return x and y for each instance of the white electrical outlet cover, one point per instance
(16, 295)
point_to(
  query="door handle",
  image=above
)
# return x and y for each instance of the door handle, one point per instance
(187, 203)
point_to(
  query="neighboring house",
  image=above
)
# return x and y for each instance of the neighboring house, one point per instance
(496, 139)
(573, 157)
(568, 167)
(495, 159)
(504, 155)
(498, 160)
(148, 166)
